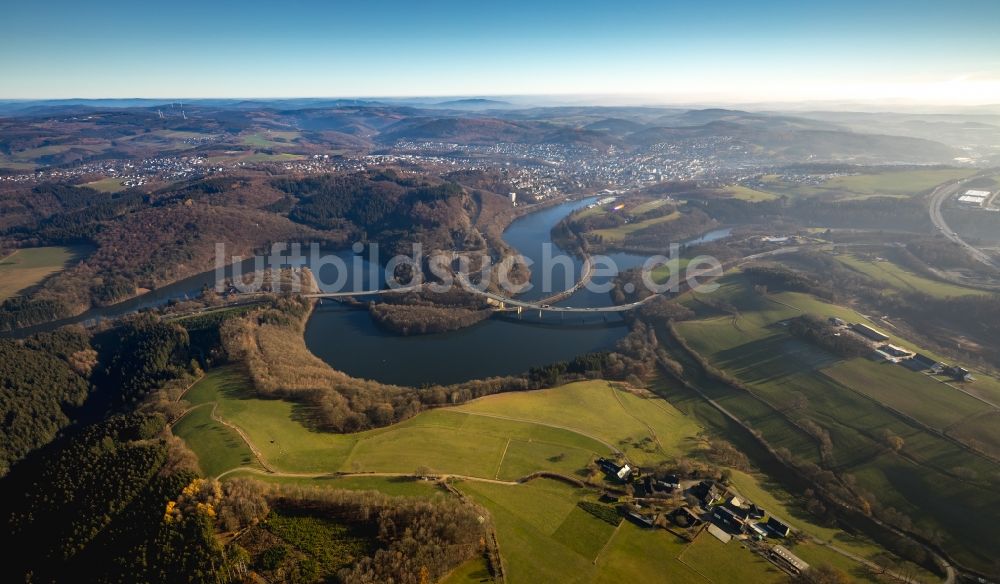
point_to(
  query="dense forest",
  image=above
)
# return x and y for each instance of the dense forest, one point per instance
(877, 213)
(385, 207)
(141, 244)
(361, 537)
(90, 507)
(53, 379)
(42, 382)
(424, 312)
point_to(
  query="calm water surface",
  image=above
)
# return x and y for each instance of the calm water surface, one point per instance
(349, 341)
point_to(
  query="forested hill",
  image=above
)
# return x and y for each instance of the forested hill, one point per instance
(386, 207)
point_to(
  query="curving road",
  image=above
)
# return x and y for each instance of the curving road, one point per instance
(937, 199)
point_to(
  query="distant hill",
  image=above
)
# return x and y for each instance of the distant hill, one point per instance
(475, 103)
(364, 121)
(790, 139)
(357, 124)
(464, 131)
(766, 120)
(615, 126)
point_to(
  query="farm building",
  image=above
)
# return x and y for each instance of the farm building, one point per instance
(642, 520)
(757, 531)
(960, 373)
(895, 351)
(689, 516)
(706, 492)
(622, 473)
(719, 534)
(728, 518)
(787, 560)
(920, 362)
(867, 331)
(778, 528)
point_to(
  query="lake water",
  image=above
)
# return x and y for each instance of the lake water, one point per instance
(349, 341)
(505, 344)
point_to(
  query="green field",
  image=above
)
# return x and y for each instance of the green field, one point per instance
(789, 509)
(720, 562)
(33, 153)
(899, 184)
(854, 402)
(984, 429)
(270, 139)
(898, 278)
(647, 430)
(535, 524)
(393, 486)
(25, 268)
(617, 234)
(647, 207)
(500, 437)
(106, 185)
(14, 165)
(247, 156)
(474, 571)
(920, 396)
(661, 273)
(543, 534)
(218, 447)
(181, 135)
(747, 194)
(545, 537)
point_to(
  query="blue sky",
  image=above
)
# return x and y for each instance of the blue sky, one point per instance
(726, 51)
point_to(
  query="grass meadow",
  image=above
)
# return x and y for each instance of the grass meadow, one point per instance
(25, 268)
(893, 183)
(934, 478)
(542, 533)
(899, 278)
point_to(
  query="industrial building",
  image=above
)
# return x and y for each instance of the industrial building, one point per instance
(974, 198)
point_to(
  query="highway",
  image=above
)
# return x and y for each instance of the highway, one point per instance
(937, 199)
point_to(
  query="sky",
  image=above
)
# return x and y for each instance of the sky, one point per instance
(721, 51)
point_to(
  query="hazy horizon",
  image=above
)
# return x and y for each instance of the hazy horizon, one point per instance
(921, 53)
(541, 101)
